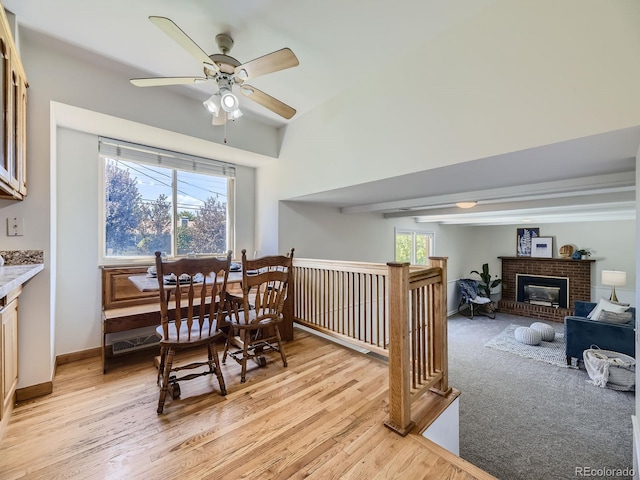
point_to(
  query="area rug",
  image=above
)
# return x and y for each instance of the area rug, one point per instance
(550, 352)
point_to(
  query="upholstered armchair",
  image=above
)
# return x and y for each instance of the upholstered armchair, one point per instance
(581, 333)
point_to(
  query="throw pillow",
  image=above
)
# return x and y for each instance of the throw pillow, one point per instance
(620, 303)
(614, 317)
(607, 306)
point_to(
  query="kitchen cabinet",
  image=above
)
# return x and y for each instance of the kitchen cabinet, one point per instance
(12, 278)
(9, 351)
(13, 98)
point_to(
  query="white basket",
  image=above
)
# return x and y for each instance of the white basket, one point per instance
(610, 369)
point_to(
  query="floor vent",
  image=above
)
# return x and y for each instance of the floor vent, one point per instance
(136, 343)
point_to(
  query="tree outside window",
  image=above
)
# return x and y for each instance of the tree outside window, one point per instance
(413, 247)
(150, 208)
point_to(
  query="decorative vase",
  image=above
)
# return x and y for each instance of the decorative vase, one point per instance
(576, 255)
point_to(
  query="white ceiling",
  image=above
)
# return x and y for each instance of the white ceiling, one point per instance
(338, 45)
(322, 35)
(602, 189)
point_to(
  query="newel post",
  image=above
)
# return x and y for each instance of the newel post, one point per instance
(439, 337)
(286, 329)
(399, 350)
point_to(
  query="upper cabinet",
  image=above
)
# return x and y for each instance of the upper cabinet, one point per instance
(13, 98)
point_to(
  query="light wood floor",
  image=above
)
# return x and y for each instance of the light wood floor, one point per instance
(322, 417)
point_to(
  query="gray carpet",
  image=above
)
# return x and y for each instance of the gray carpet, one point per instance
(526, 419)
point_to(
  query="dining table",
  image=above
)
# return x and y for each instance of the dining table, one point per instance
(149, 283)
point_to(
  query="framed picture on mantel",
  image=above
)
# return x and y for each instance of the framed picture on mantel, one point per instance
(541, 247)
(523, 240)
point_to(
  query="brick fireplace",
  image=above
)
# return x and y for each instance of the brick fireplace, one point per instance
(577, 271)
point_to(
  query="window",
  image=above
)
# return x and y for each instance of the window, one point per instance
(414, 247)
(156, 200)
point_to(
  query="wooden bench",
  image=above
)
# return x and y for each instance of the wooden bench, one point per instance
(125, 307)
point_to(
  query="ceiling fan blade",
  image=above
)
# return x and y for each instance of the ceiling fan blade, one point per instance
(268, 101)
(182, 39)
(159, 81)
(220, 119)
(271, 62)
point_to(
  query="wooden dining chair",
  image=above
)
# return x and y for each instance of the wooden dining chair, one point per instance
(256, 316)
(193, 286)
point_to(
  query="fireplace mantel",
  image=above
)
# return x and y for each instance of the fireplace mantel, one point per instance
(577, 271)
(539, 259)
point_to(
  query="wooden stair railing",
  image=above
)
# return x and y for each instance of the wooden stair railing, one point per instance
(395, 310)
(417, 338)
(345, 300)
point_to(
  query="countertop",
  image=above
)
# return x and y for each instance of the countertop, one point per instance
(13, 276)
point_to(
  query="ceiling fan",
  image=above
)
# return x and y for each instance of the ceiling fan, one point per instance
(227, 72)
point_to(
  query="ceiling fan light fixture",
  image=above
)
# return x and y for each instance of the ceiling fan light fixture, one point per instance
(212, 104)
(235, 114)
(226, 71)
(228, 101)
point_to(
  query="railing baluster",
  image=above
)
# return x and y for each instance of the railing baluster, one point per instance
(386, 324)
(355, 302)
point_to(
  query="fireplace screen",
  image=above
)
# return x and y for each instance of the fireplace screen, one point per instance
(541, 295)
(543, 290)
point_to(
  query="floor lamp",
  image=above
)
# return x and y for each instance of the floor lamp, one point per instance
(614, 278)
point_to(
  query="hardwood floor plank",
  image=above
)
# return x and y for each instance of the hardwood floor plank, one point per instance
(321, 417)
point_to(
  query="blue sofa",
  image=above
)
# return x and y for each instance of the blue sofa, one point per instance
(580, 333)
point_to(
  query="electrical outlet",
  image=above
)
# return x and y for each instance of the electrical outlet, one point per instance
(15, 227)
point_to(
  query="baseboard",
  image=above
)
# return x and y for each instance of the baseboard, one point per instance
(46, 388)
(75, 356)
(27, 393)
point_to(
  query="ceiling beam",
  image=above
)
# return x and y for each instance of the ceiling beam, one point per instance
(594, 185)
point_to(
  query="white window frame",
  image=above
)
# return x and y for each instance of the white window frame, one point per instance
(176, 161)
(414, 233)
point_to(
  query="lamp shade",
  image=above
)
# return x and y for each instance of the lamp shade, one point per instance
(614, 278)
(212, 104)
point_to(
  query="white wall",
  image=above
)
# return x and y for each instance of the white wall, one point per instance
(492, 85)
(323, 232)
(78, 290)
